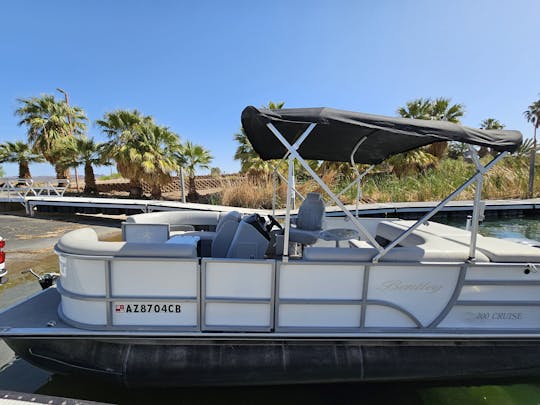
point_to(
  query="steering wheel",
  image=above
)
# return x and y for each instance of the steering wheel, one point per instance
(273, 221)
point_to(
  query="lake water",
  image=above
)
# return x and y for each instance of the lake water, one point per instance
(19, 375)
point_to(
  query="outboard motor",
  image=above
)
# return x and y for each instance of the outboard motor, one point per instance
(46, 280)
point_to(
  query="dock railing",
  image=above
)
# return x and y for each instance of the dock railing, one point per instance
(16, 190)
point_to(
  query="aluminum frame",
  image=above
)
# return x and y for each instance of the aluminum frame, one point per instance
(294, 155)
(274, 301)
(474, 178)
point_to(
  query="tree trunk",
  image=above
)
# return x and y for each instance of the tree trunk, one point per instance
(76, 179)
(156, 191)
(135, 189)
(24, 170)
(192, 196)
(484, 150)
(61, 174)
(437, 149)
(89, 179)
(532, 166)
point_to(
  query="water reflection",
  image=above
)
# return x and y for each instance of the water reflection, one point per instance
(292, 394)
(351, 393)
(515, 228)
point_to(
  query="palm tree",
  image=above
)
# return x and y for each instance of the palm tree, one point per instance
(121, 124)
(439, 109)
(49, 122)
(419, 108)
(411, 162)
(155, 153)
(122, 128)
(85, 152)
(442, 110)
(489, 123)
(275, 106)
(19, 152)
(532, 115)
(250, 162)
(192, 157)
(525, 149)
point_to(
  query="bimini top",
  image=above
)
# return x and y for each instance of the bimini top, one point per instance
(337, 133)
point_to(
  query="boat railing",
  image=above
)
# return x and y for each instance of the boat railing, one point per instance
(293, 155)
(308, 296)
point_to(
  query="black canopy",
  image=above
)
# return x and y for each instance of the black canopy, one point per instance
(337, 132)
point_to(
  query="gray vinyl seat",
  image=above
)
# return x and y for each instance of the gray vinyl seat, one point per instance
(225, 231)
(309, 221)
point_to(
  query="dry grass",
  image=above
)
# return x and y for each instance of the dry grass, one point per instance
(508, 179)
(252, 193)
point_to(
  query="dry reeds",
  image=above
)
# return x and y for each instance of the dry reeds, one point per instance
(253, 193)
(508, 179)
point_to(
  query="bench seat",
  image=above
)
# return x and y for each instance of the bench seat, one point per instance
(417, 247)
(85, 242)
(495, 249)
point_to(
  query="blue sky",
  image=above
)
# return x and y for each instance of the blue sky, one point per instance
(194, 65)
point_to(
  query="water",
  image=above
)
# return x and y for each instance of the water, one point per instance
(19, 375)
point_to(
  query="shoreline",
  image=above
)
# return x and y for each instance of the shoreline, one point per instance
(30, 241)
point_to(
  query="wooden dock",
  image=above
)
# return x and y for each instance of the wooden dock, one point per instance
(63, 204)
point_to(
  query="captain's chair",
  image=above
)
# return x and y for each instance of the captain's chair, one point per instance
(309, 221)
(225, 231)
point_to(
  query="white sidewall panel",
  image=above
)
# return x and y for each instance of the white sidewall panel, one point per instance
(492, 317)
(88, 312)
(251, 279)
(319, 315)
(236, 314)
(80, 276)
(502, 273)
(124, 315)
(423, 291)
(321, 281)
(381, 316)
(145, 278)
(500, 293)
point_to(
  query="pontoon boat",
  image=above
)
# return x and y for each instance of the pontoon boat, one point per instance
(224, 298)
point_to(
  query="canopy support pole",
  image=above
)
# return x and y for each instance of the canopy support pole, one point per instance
(295, 155)
(474, 178)
(358, 179)
(357, 172)
(477, 205)
(288, 211)
(275, 175)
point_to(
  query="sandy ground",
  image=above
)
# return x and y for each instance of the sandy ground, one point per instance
(30, 241)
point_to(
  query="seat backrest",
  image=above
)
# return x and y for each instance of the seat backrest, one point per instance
(311, 213)
(227, 216)
(145, 233)
(225, 231)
